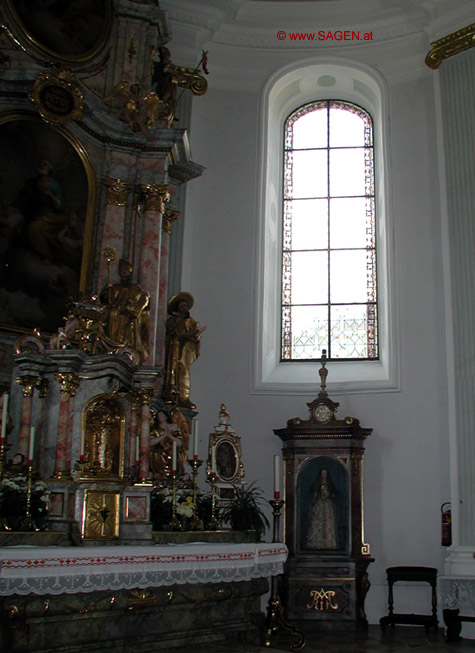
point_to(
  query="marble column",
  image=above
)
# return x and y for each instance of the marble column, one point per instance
(134, 403)
(29, 383)
(169, 216)
(69, 384)
(456, 84)
(40, 448)
(113, 234)
(144, 471)
(152, 198)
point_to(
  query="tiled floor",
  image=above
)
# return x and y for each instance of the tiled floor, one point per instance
(394, 640)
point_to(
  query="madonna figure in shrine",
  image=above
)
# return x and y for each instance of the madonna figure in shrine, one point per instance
(165, 431)
(321, 531)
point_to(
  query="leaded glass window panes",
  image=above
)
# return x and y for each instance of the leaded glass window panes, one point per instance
(329, 246)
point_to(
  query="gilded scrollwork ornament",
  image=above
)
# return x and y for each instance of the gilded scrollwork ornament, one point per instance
(169, 217)
(459, 41)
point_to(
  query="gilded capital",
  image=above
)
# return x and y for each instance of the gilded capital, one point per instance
(145, 395)
(134, 399)
(169, 216)
(43, 388)
(462, 39)
(117, 191)
(29, 384)
(69, 383)
(152, 197)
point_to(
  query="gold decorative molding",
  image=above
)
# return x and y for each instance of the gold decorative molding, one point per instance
(169, 216)
(462, 39)
(152, 197)
(43, 385)
(117, 191)
(69, 383)
(58, 96)
(190, 78)
(29, 384)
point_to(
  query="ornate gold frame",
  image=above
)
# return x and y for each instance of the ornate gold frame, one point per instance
(217, 439)
(58, 96)
(116, 399)
(29, 39)
(86, 272)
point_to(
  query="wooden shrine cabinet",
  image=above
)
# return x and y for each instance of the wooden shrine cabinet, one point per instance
(326, 580)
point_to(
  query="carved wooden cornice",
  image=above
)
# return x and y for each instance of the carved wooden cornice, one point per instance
(462, 39)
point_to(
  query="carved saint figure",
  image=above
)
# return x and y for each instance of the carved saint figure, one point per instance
(321, 530)
(165, 430)
(128, 319)
(182, 349)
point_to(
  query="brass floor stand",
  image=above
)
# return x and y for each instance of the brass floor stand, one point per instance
(275, 619)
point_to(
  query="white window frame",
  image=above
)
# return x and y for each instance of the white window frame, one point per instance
(288, 89)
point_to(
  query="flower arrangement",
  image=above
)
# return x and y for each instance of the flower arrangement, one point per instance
(13, 494)
(161, 506)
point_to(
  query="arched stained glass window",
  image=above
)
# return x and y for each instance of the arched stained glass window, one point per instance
(329, 296)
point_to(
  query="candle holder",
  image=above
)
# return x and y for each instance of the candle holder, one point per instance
(27, 523)
(214, 524)
(275, 619)
(196, 523)
(174, 524)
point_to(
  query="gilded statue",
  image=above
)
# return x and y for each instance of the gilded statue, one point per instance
(182, 349)
(137, 109)
(165, 430)
(128, 312)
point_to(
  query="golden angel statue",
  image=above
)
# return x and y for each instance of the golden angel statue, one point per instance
(139, 111)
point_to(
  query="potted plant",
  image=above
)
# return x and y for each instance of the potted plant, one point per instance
(245, 511)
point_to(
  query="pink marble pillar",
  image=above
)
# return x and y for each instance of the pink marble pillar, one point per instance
(29, 383)
(40, 449)
(153, 198)
(134, 405)
(69, 384)
(169, 216)
(144, 472)
(113, 234)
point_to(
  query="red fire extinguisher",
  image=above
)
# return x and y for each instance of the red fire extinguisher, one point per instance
(446, 524)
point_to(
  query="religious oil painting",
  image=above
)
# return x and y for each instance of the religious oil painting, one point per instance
(46, 200)
(76, 29)
(323, 506)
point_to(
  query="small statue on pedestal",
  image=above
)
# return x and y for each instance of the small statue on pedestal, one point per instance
(183, 348)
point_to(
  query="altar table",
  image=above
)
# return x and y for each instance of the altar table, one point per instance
(127, 598)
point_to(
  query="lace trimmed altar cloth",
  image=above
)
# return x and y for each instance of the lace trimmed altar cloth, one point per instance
(58, 570)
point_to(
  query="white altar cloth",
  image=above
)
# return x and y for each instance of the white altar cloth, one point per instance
(57, 570)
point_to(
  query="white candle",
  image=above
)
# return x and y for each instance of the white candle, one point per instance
(4, 417)
(276, 477)
(195, 439)
(137, 449)
(174, 458)
(213, 459)
(82, 446)
(32, 445)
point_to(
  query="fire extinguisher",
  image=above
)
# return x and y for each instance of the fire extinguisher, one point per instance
(446, 524)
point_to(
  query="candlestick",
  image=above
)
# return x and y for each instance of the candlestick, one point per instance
(4, 417)
(31, 450)
(214, 524)
(28, 523)
(174, 457)
(275, 619)
(196, 523)
(276, 477)
(195, 439)
(174, 524)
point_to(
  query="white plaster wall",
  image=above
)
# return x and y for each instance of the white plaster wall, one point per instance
(406, 462)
